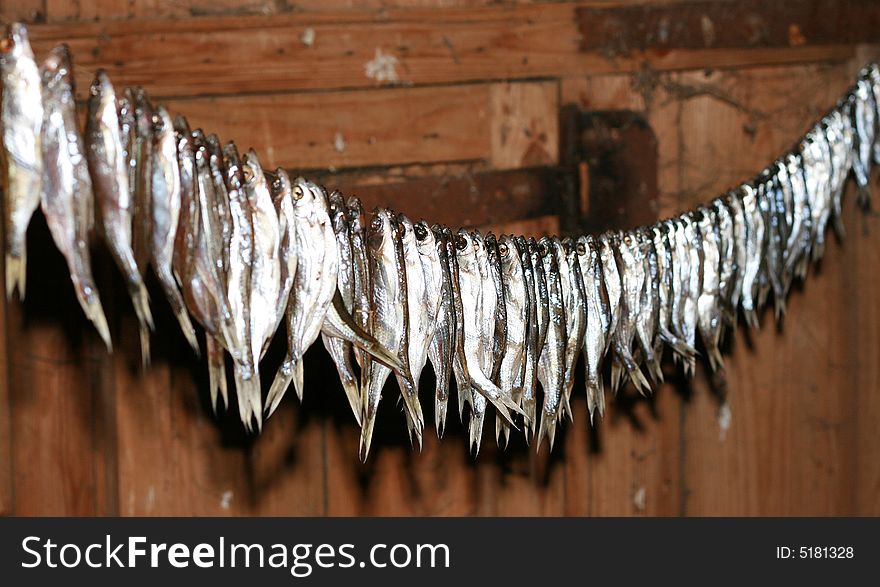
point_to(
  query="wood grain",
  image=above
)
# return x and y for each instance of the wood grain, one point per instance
(524, 125)
(351, 129)
(234, 54)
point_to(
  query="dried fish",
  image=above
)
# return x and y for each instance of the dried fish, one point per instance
(22, 117)
(67, 198)
(109, 170)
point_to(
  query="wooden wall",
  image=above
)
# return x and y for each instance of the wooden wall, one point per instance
(419, 104)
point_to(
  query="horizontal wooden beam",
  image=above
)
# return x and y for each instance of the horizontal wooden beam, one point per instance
(720, 24)
(398, 47)
(462, 199)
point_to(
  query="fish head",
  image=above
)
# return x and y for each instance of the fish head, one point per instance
(16, 44)
(508, 253)
(56, 70)
(465, 251)
(143, 113)
(355, 211)
(228, 163)
(381, 232)
(252, 172)
(426, 240)
(406, 232)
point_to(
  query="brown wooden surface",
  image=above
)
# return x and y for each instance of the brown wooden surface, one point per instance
(470, 133)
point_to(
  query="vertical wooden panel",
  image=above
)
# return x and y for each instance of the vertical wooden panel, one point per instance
(54, 401)
(6, 472)
(524, 125)
(789, 446)
(26, 10)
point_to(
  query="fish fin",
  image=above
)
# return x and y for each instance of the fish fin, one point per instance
(95, 313)
(175, 300)
(475, 432)
(279, 386)
(546, 428)
(244, 390)
(411, 402)
(529, 409)
(440, 416)
(339, 323)
(366, 437)
(16, 274)
(497, 398)
(338, 350)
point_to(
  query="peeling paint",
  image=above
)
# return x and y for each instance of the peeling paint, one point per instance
(724, 418)
(308, 37)
(226, 500)
(339, 143)
(640, 498)
(382, 68)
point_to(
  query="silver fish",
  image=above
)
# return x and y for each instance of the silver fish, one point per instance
(540, 323)
(22, 117)
(817, 173)
(708, 304)
(511, 376)
(598, 322)
(432, 254)
(109, 171)
(646, 324)
(530, 376)
(551, 362)
(754, 253)
(798, 245)
(313, 287)
(472, 355)
(632, 277)
(340, 350)
(360, 270)
(574, 302)
(282, 199)
(864, 115)
(207, 280)
(664, 249)
(165, 201)
(694, 260)
(839, 133)
(727, 260)
(67, 198)
(238, 269)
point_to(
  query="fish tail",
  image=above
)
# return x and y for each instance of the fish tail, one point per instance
(366, 436)
(529, 408)
(475, 432)
(546, 428)
(338, 350)
(217, 374)
(247, 388)
(16, 274)
(279, 385)
(167, 279)
(144, 333)
(839, 229)
(298, 384)
(94, 311)
(411, 402)
(140, 299)
(440, 415)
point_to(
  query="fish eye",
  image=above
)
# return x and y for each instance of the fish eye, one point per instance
(503, 250)
(376, 223)
(542, 249)
(460, 242)
(581, 249)
(248, 174)
(420, 231)
(276, 184)
(627, 240)
(298, 192)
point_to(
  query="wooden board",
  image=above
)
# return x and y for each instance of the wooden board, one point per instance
(230, 55)
(352, 129)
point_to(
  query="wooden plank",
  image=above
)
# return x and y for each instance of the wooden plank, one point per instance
(788, 447)
(464, 199)
(747, 24)
(219, 55)
(54, 402)
(524, 125)
(86, 10)
(351, 129)
(25, 10)
(7, 496)
(635, 465)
